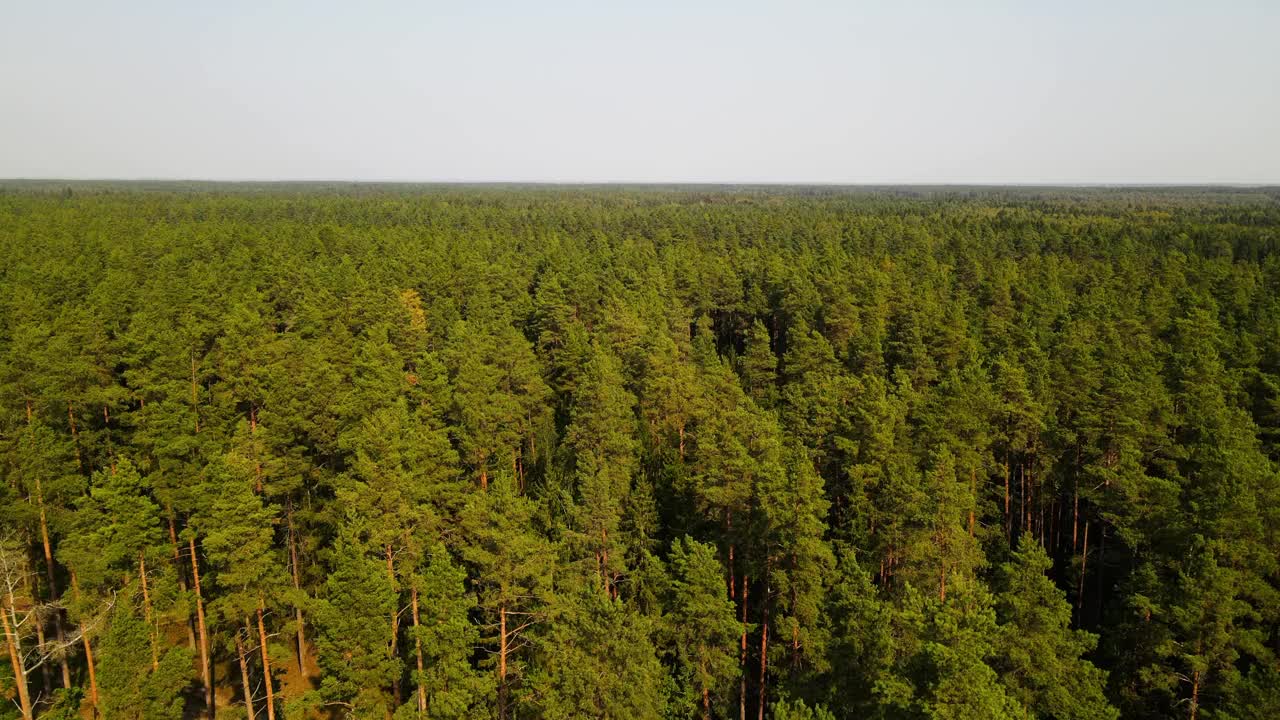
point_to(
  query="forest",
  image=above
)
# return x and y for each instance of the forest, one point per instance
(710, 452)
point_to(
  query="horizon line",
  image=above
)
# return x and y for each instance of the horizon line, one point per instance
(692, 183)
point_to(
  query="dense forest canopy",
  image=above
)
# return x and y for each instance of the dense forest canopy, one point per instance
(323, 451)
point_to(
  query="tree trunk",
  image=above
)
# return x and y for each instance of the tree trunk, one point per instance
(75, 435)
(146, 608)
(395, 620)
(1101, 570)
(53, 585)
(266, 664)
(15, 659)
(1055, 525)
(973, 497)
(732, 577)
(1008, 521)
(1195, 694)
(257, 461)
(1043, 514)
(88, 654)
(742, 657)
(111, 453)
(195, 395)
(603, 557)
(182, 576)
(204, 635)
(1075, 505)
(46, 677)
(502, 662)
(1084, 559)
(795, 623)
(417, 647)
(244, 672)
(1022, 485)
(297, 587)
(764, 647)
(706, 700)
(42, 642)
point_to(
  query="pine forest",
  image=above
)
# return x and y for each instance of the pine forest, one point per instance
(637, 452)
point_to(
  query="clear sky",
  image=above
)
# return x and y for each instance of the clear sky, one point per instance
(796, 91)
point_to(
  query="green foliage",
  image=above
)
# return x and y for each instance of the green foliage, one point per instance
(1040, 657)
(784, 710)
(354, 642)
(701, 620)
(130, 687)
(940, 665)
(238, 538)
(453, 688)
(114, 526)
(641, 452)
(595, 660)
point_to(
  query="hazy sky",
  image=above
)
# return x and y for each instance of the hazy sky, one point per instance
(796, 91)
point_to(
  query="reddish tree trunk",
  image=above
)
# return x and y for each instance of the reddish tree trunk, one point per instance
(417, 647)
(1075, 505)
(973, 498)
(244, 672)
(15, 659)
(395, 620)
(1008, 520)
(1084, 559)
(266, 665)
(297, 586)
(603, 556)
(257, 461)
(502, 662)
(88, 654)
(182, 576)
(764, 650)
(742, 657)
(75, 435)
(205, 671)
(53, 584)
(1022, 484)
(146, 607)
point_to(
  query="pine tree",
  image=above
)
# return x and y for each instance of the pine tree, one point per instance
(604, 456)
(355, 650)
(760, 367)
(499, 396)
(860, 651)
(594, 659)
(702, 624)
(1040, 656)
(238, 530)
(512, 564)
(131, 686)
(940, 668)
(447, 685)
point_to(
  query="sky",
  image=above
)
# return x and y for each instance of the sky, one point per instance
(800, 91)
